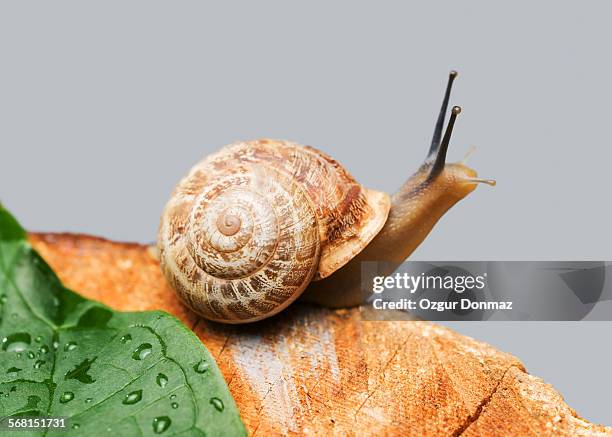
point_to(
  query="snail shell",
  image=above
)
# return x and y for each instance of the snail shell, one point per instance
(250, 226)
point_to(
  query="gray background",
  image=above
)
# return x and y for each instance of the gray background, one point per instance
(104, 107)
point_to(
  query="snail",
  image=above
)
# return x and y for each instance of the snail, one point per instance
(254, 225)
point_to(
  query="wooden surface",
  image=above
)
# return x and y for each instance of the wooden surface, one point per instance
(315, 371)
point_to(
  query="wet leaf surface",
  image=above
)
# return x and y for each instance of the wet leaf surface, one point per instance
(109, 372)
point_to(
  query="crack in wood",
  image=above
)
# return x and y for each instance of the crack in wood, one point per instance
(384, 369)
(487, 399)
(224, 345)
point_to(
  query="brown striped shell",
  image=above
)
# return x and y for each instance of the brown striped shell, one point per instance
(250, 226)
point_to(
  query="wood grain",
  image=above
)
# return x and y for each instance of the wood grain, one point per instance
(316, 371)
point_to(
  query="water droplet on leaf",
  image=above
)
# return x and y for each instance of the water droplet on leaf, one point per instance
(88, 400)
(66, 397)
(174, 405)
(44, 349)
(31, 355)
(126, 338)
(17, 342)
(76, 426)
(13, 371)
(38, 364)
(70, 346)
(133, 397)
(38, 339)
(217, 403)
(161, 424)
(142, 351)
(162, 380)
(201, 367)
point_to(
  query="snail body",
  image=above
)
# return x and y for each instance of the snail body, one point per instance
(254, 225)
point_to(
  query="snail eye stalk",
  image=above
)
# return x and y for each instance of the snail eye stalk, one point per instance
(437, 135)
(440, 160)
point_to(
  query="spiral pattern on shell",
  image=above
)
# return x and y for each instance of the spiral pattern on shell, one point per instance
(247, 246)
(250, 226)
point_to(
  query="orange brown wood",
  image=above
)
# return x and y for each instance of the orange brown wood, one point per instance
(316, 371)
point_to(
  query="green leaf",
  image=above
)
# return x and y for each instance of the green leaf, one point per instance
(109, 372)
